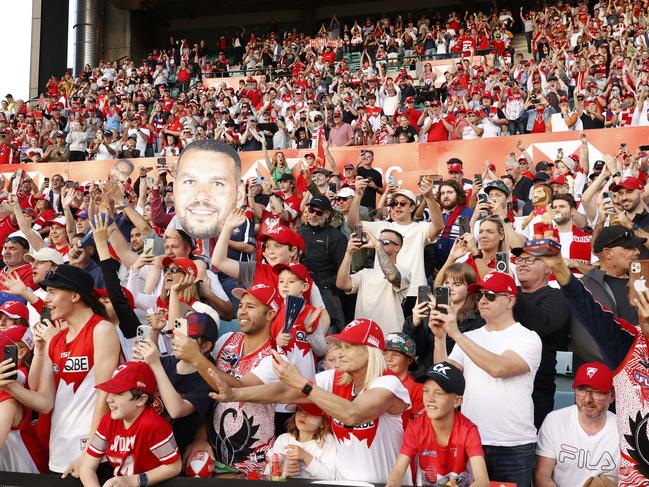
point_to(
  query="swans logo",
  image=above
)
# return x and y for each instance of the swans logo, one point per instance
(591, 371)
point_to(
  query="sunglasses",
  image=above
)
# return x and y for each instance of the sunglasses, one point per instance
(490, 295)
(400, 204)
(340, 198)
(386, 242)
(626, 236)
(315, 211)
(173, 270)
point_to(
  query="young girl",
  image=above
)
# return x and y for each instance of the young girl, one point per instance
(308, 447)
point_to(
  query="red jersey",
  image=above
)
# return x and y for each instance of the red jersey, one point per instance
(145, 445)
(7, 227)
(24, 272)
(6, 154)
(416, 392)
(438, 464)
(298, 351)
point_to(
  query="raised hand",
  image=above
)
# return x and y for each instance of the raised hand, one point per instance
(99, 225)
(236, 218)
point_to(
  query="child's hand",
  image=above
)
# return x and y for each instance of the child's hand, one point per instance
(283, 339)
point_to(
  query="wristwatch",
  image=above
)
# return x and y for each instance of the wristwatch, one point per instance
(307, 388)
(635, 227)
(142, 479)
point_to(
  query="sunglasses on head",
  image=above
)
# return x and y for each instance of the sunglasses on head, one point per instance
(490, 295)
(386, 242)
(315, 211)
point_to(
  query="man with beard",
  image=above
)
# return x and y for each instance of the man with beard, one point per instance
(635, 215)
(452, 200)
(207, 177)
(576, 245)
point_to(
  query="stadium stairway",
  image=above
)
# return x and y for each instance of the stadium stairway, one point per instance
(520, 45)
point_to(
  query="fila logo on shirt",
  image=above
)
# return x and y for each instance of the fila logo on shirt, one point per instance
(76, 364)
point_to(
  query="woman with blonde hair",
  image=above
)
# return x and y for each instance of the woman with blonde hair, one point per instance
(364, 401)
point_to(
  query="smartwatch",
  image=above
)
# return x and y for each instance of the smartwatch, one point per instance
(142, 479)
(307, 388)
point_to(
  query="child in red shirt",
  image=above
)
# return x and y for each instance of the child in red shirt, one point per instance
(137, 442)
(443, 440)
(400, 353)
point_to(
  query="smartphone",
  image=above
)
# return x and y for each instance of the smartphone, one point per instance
(332, 187)
(18, 178)
(478, 178)
(358, 233)
(423, 296)
(11, 352)
(392, 180)
(181, 326)
(143, 333)
(442, 296)
(162, 161)
(46, 313)
(46, 181)
(502, 262)
(638, 275)
(464, 224)
(148, 246)
(607, 195)
(483, 198)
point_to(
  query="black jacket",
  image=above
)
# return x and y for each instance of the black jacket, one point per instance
(545, 312)
(425, 340)
(128, 320)
(324, 251)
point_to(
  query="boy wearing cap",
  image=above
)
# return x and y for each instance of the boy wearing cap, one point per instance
(586, 429)
(443, 440)
(137, 442)
(399, 355)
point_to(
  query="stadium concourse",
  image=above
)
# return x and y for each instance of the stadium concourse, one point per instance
(394, 251)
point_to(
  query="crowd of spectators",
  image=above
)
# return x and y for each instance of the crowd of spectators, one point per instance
(325, 322)
(588, 69)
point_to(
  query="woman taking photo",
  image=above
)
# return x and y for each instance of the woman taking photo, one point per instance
(364, 403)
(457, 278)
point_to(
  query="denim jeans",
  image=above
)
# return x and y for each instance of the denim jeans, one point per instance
(511, 463)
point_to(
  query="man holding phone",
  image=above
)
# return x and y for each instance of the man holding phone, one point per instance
(381, 291)
(499, 362)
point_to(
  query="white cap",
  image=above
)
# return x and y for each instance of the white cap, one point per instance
(44, 255)
(346, 192)
(407, 193)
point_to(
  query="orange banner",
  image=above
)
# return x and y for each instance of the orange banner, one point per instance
(405, 161)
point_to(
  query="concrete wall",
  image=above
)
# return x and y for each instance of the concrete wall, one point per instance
(34, 67)
(116, 30)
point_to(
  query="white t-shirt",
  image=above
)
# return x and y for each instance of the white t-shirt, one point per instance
(502, 408)
(141, 141)
(578, 455)
(379, 300)
(411, 255)
(368, 452)
(323, 465)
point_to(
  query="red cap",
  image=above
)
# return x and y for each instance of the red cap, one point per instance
(361, 331)
(628, 182)
(563, 98)
(127, 294)
(186, 265)
(15, 310)
(283, 235)
(309, 154)
(19, 333)
(574, 157)
(454, 168)
(130, 375)
(266, 294)
(59, 221)
(486, 94)
(311, 409)
(558, 179)
(596, 375)
(410, 99)
(497, 282)
(435, 103)
(299, 270)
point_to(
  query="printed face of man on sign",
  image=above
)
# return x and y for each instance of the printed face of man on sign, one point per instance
(207, 177)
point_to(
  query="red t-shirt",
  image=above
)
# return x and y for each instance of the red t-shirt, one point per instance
(145, 445)
(416, 392)
(437, 463)
(7, 227)
(24, 272)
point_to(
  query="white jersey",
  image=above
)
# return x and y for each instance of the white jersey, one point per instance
(14, 456)
(578, 455)
(367, 452)
(509, 418)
